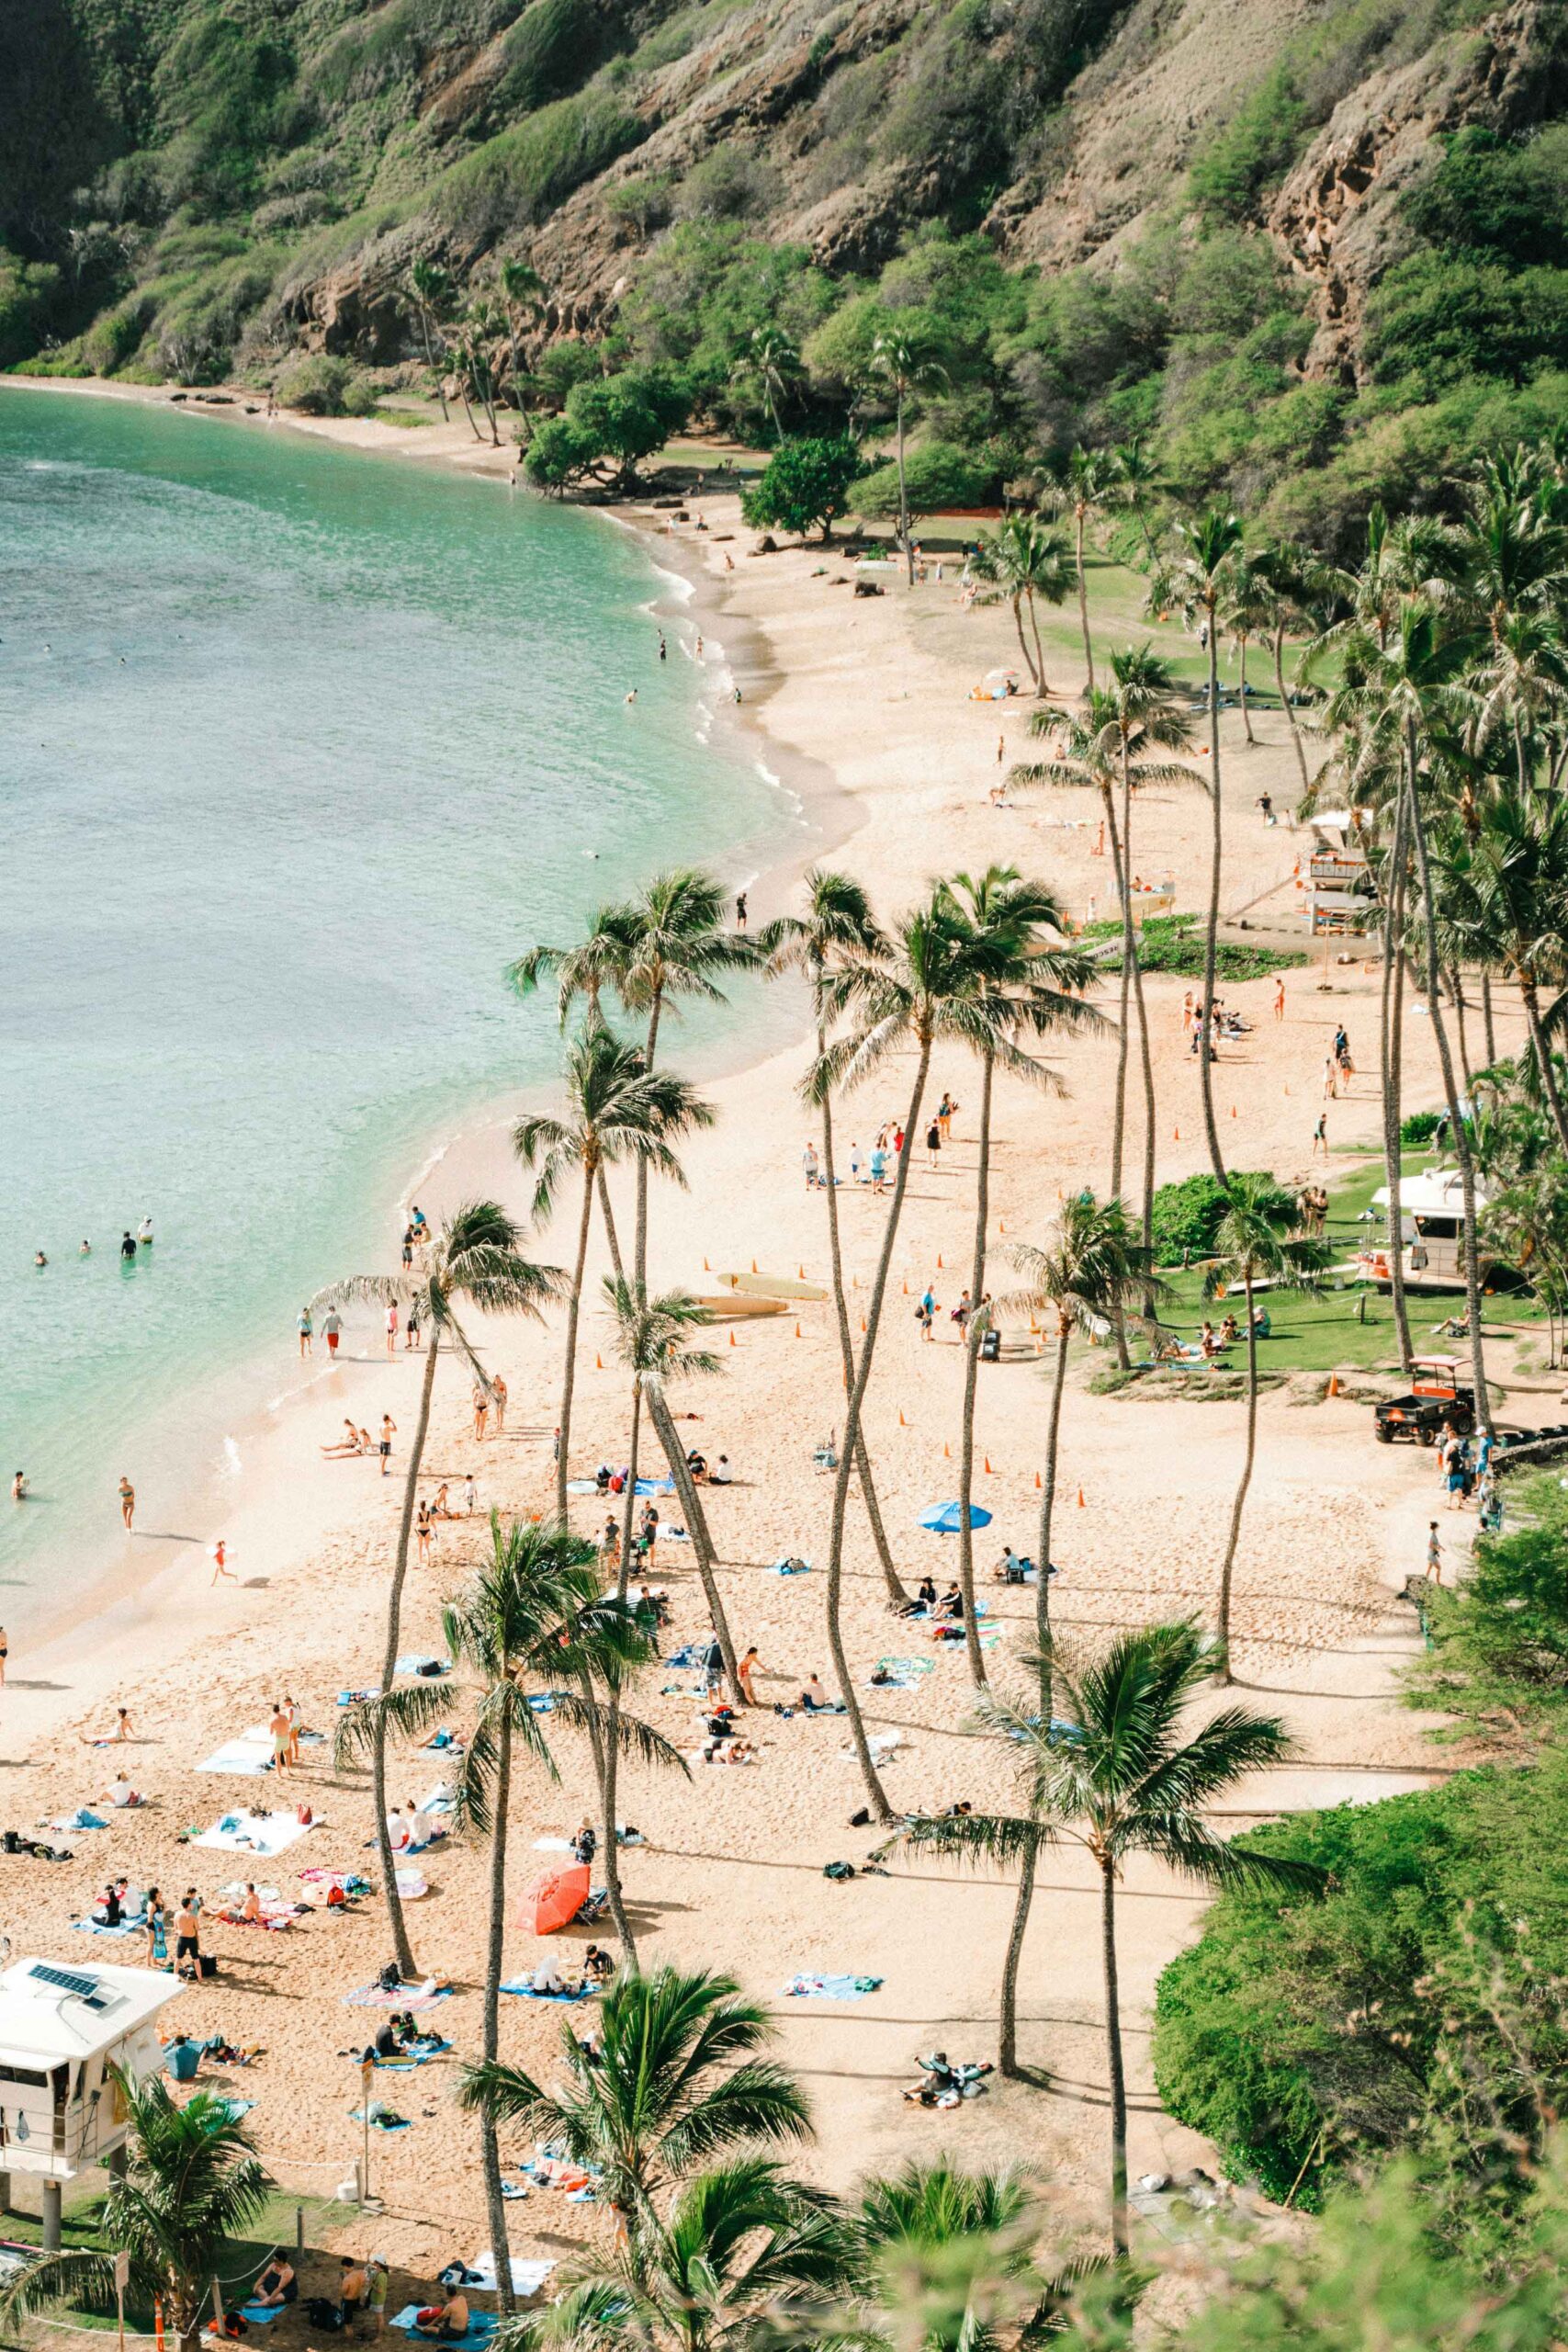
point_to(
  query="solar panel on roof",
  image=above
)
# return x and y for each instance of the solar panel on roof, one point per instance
(86, 1989)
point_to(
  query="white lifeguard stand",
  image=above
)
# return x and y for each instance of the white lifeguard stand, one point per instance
(62, 2028)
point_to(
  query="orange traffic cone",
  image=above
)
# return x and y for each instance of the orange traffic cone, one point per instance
(862, 1322)
(597, 1363)
(753, 1265)
(1232, 1109)
(732, 1339)
(706, 1268)
(990, 1471)
(797, 1330)
(946, 1451)
(902, 1422)
(1082, 1505)
(1334, 1383)
(1038, 1483)
(1176, 1135)
(905, 1290)
(939, 1257)
(800, 1274)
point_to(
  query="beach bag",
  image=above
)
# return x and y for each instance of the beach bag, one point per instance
(303, 1815)
(325, 2315)
(389, 1978)
(838, 1869)
(207, 1963)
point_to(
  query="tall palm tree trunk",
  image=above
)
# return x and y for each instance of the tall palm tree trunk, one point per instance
(608, 1759)
(1028, 661)
(1246, 712)
(973, 1334)
(1392, 1061)
(890, 1575)
(1463, 1147)
(1486, 1021)
(1212, 927)
(402, 1949)
(698, 1529)
(606, 1751)
(1083, 607)
(489, 2142)
(1456, 989)
(1114, 2057)
(1288, 707)
(874, 1790)
(1542, 1050)
(1047, 1507)
(1119, 1114)
(568, 1373)
(1007, 2023)
(640, 1247)
(1227, 1565)
(1131, 958)
(1043, 689)
(903, 498)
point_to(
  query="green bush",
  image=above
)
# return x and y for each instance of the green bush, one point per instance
(935, 475)
(1499, 1642)
(1304, 2034)
(1187, 1218)
(523, 173)
(804, 486)
(1417, 1127)
(1254, 150)
(1508, 199)
(1175, 943)
(317, 383)
(28, 291)
(115, 336)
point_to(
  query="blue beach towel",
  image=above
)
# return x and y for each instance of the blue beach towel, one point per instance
(526, 1992)
(807, 1987)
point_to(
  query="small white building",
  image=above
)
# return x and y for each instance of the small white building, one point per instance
(1431, 1220)
(1338, 880)
(62, 2028)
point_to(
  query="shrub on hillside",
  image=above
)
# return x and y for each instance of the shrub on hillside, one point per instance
(319, 383)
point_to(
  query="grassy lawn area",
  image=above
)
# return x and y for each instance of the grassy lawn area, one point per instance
(243, 2258)
(1335, 1327)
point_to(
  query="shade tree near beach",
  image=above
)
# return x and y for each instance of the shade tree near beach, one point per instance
(191, 2184)
(533, 1613)
(616, 1109)
(828, 945)
(1257, 1239)
(805, 485)
(679, 2080)
(474, 1262)
(1029, 979)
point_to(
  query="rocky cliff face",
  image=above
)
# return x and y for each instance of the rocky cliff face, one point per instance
(1336, 216)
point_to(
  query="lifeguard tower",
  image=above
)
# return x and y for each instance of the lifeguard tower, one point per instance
(62, 2029)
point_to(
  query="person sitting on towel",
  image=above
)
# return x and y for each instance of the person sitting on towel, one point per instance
(814, 1696)
(597, 1963)
(276, 2284)
(451, 2319)
(549, 1979)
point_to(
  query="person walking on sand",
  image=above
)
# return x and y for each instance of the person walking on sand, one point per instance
(305, 1328)
(126, 1503)
(391, 1325)
(947, 1111)
(498, 1400)
(423, 1533)
(1434, 1574)
(749, 1665)
(188, 1940)
(331, 1324)
(411, 1328)
(933, 1141)
(4, 1654)
(1001, 747)
(481, 1408)
(741, 911)
(282, 1732)
(220, 1564)
(1330, 1077)
(1320, 1136)
(812, 1166)
(1278, 997)
(389, 1431)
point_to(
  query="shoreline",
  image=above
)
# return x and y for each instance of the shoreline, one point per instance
(134, 1614)
(878, 694)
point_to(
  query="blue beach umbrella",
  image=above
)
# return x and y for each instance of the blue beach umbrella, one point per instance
(946, 1518)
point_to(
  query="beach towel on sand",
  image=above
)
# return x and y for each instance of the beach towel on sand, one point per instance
(481, 2324)
(526, 1992)
(253, 1833)
(527, 2275)
(401, 1997)
(807, 1987)
(261, 2314)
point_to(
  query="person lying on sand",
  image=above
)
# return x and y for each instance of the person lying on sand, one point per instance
(346, 1444)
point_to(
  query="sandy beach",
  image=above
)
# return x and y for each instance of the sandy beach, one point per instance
(863, 706)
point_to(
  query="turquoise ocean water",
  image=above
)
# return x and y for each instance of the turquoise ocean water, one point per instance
(298, 748)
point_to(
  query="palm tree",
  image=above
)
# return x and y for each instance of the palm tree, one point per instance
(1197, 582)
(1088, 485)
(675, 942)
(922, 988)
(483, 326)
(741, 2245)
(1110, 744)
(898, 362)
(1027, 977)
(532, 1612)
(943, 2256)
(597, 962)
(193, 2183)
(526, 299)
(1248, 610)
(616, 1109)
(1399, 685)
(1023, 563)
(1257, 1239)
(431, 288)
(653, 1343)
(836, 936)
(1292, 587)
(1137, 480)
(1505, 894)
(772, 359)
(1122, 1782)
(676, 2083)
(1088, 1274)
(476, 1261)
